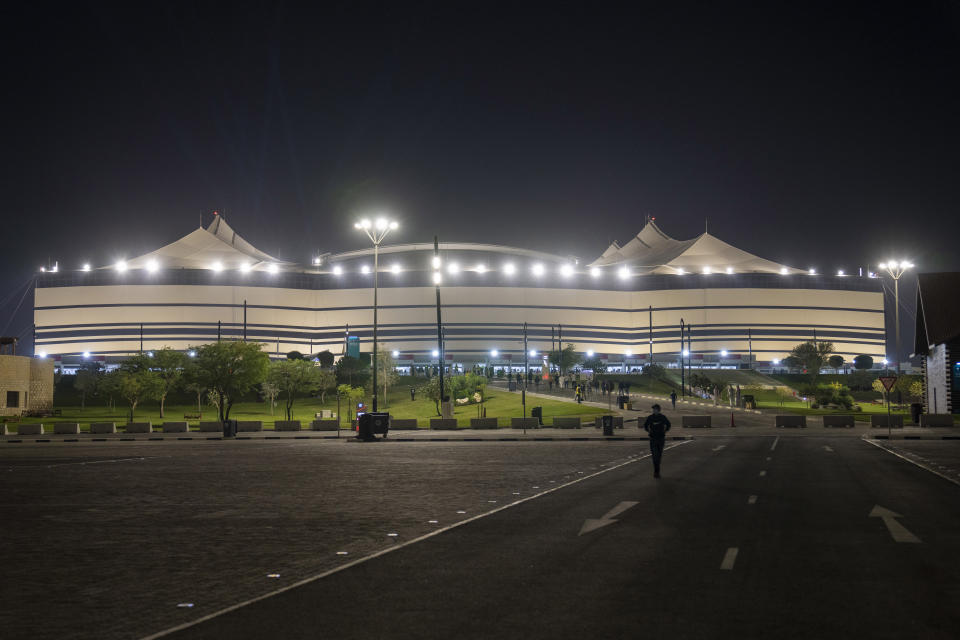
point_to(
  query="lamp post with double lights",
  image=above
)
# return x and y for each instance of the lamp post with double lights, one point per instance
(895, 269)
(376, 231)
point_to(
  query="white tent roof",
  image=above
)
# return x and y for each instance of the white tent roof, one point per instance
(202, 248)
(653, 251)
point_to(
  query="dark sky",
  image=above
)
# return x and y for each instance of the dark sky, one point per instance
(815, 134)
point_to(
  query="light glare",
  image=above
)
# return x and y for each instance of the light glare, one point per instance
(509, 269)
(337, 270)
(537, 269)
(86, 266)
(566, 271)
(624, 273)
(121, 266)
(595, 272)
(272, 268)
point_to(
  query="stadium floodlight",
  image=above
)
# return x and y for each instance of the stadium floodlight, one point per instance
(840, 272)
(784, 271)
(435, 353)
(316, 262)
(363, 224)
(395, 268)
(55, 268)
(337, 270)
(245, 267)
(590, 353)
(595, 272)
(365, 269)
(723, 353)
(86, 266)
(494, 353)
(273, 268)
(707, 271)
(453, 267)
(624, 273)
(42, 354)
(217, 266)
(86, 355)
(481, 268)
(812, 271)
(120, 266)
(537, 269)
(437, 278)
(730, 270)
(395, 353)
(509, 269)
(566, 271)
(436, 262)
(153, 266)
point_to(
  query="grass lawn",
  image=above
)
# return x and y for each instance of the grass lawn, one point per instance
(800, 407)
(499, 404)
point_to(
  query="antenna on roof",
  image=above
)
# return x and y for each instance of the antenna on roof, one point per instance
(706, 226)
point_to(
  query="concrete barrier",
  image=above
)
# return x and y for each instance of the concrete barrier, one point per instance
(103, 427)
(524, 423)
(696, 422)
(790, 421)
(176, 427)
(138, 427)
(566, 422)
(443, 423)
(403, 423)
(617, 422)
(936, 420)
(33, 429)
(286, 425)
(249, 425)
(324, 425)
(880, 420)
(66, 428)
(483, 423)
(211, 426)
(839, 421)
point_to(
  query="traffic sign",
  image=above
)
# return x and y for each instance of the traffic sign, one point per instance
(887, 381)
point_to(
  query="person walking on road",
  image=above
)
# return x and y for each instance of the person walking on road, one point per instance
(657, 426)
(673, 399)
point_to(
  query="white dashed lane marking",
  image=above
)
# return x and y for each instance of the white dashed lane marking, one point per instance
(729, 558)
(752, 500)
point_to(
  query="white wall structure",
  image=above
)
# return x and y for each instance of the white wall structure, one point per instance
(622, 306)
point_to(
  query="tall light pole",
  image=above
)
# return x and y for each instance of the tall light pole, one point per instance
(376, 231)
(896, 269)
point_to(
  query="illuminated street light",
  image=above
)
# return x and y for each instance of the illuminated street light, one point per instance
(383, 227)
(337, 270)
(435, 353)
(493, 353)
(436, 262)
(783, 271)
(840, 272)
(590, 353)
(192, 353)
(723, 353)
(481, 268)
(316, 262)
(566, 271)
(217, 266)
(813, 271)
(437, 277)
(707, 271)
(595, 272)
(395, 353)
(245, 267)
(729, 270)
(86, 354)
(273, 268)
(776, 361)
(624, 273)
(365, 269)
(537, 269)
(686, 352)
(121, 266)
(395, 268)
(680, 271)
(453, 267)
(895, 270)
(509, 269)
(86, 266)
(533, 353)
(42, 354)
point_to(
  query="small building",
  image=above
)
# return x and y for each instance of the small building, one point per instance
(938, 340)
(26, 385)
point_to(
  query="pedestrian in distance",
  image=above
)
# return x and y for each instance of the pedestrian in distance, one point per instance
(579, 395)
(673, 399)
(656, 425)
(413, 394)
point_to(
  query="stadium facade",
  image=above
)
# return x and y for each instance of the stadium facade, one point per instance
(626, 305)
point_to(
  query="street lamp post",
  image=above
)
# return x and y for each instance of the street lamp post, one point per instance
(896, 269)
(376, 231)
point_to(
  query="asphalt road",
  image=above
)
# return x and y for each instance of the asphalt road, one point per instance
(742, 537)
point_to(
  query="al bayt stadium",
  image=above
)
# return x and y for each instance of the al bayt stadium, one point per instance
(625, 306)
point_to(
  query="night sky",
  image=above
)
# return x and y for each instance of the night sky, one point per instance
(813, 134)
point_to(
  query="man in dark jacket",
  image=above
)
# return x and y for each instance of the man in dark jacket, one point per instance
(657, 426)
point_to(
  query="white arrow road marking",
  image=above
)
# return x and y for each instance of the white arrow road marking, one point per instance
(897, 530)
(828, 448)
(729, 558)
(722, 446)
(752, 500)
(591, 524)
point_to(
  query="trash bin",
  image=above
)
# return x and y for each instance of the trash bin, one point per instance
(537, 412)
(622, 401)
(370, 424)
(229, 428)
(607, 425)
(748, 401)
(915, 410)
(511, 386)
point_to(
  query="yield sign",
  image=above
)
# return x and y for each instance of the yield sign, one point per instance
(887, 381)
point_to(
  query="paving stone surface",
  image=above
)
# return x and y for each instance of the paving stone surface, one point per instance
(105, 540)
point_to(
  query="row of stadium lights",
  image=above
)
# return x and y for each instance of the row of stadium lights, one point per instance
(453, 268)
